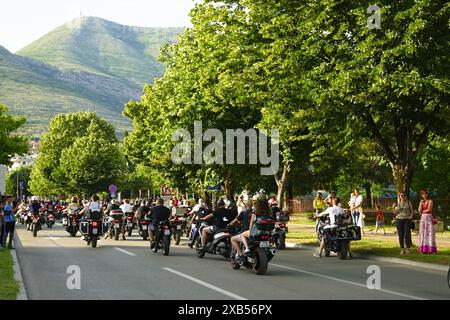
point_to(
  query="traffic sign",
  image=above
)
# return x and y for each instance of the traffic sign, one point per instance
(113, 188)
(165, 191)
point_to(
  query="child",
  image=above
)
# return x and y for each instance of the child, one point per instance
(379, 222)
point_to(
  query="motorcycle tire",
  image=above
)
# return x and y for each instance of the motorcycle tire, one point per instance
(166, 245)
(261, 262)
(343, 250)
(116, 234)
(327, 253)
(35, 230)
(144, 235)
(280, 243)
(200, 252)
(234, 264)
(94, 242)
(73, 233)
(177, 238)
(188, 232)
(130, 230)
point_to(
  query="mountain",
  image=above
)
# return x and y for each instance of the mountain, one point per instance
(86, 64)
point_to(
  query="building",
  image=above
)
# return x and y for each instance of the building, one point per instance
(3, 171)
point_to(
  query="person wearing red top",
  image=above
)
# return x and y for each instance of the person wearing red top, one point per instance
(379, 221)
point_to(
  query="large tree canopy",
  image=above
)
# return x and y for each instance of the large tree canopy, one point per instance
(10, 144)
(79, 155)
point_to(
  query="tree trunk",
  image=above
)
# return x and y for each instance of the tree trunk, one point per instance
(368, 188)
(402, 176)
(229, 188)
(282, 186)
(207, 199)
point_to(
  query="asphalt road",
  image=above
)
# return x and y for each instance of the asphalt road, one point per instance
(128, 270)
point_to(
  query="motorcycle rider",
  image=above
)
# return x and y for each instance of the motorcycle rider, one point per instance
(221, 217)
(35, 208)
(333, 211)
(244, 219)
(200, 211)
(159, 213)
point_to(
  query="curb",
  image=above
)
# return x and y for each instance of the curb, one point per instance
(22, 295)
(410, 263)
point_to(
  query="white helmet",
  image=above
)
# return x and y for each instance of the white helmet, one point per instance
(34, 198)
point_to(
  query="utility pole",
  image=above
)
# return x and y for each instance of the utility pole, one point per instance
(17, 176)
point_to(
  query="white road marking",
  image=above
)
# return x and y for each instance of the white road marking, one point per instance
(125, 251)
(348, 282)
(206, 284)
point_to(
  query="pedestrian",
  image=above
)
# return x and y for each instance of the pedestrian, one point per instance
(2, 219)
(357, 211)
(427, 237)
(9, 223)
(403, 214)
(318, 205)
(379, 220)
(241, 204)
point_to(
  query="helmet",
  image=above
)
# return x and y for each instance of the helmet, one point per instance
(220, 203)
(34, 198)
(113, 201)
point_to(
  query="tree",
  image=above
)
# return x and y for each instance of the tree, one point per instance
(10, 144)
(79, 154)
(17, 177)
(389, 85)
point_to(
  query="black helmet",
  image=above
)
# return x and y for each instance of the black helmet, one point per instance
(220, 203)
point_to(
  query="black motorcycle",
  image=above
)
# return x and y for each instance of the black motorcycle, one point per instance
(72, 222)
(177, 229)
(162, 237)
(218, 243)
(117, 225)
(93, 228)
(144, 224)
(338, 237)
(36, 223)
(260, 249)
(129, 222)
(278, 236)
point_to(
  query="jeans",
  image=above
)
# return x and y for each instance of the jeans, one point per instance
(8, 227)
(356, 216)
(404, 232)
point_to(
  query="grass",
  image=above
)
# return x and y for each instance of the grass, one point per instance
(386, 248)
(8, 286)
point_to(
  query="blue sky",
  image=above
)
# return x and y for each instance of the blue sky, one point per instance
(24, 21)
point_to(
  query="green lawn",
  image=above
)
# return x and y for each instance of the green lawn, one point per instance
(386, 248)
(8, 286)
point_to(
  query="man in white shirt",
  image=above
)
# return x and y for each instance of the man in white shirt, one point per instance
(126, 207)
(333, 212)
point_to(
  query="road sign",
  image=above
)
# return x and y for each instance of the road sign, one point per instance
(113, 188)
(214, 188)
(165, 191)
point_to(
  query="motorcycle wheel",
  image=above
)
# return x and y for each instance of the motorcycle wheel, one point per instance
(234, 264)
(188, 232)
(327, 253)
(177, 238)
(116, 233)
(130, 230)
(35, 230)
(280, 243)
(73, 232)
(166, 245)
(343, 250)
(200, 252)
(261, 262)
(94, 242)
(144, 235)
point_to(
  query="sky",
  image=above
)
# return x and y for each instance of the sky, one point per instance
(24, 21)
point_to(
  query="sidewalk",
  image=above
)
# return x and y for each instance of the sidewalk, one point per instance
(443, 243)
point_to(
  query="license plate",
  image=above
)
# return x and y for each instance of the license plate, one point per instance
(178, 227)
(130, 225)
(35, 220)
(116, 225)
(94, 231)
(264, 244)
(144, 227)
(167, 232)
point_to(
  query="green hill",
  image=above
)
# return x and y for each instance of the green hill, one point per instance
(87, 64)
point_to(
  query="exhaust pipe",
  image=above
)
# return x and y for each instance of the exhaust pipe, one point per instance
(273, 251)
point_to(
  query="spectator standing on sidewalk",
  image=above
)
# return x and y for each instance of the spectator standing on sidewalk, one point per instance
(318, 205)
(358, 216)
(403, 214)
(9, 223)
(427, 237)
(379, 221)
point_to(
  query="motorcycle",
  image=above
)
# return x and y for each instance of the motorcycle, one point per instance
(162, 237)
(129, 223)
(177, 226)
(117, 226)
(93, 228)
(50, 219)
(219, 244)
(144, 225)
(278, 236)
(260, 252)
(72, 222)
(338, 237)
(186, 226)
(35, 223)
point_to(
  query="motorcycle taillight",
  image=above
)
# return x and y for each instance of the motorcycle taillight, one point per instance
(116, 221)
(166, 226)
(94, 223)
(264, 237)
